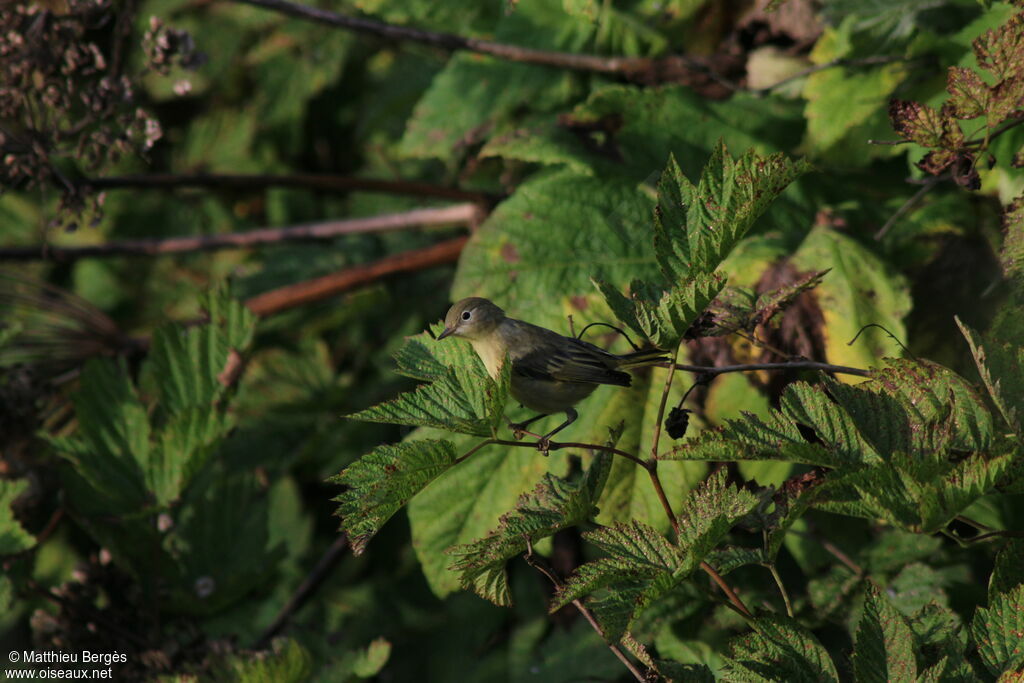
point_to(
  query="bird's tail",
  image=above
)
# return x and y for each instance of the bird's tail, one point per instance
(643, 357)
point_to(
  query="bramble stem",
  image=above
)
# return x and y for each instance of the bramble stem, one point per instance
(532, 560)
(782, 588)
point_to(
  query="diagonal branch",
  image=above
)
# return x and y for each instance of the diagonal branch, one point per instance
(451, 41)
(283, 298)
(465, 214)
(308, 181)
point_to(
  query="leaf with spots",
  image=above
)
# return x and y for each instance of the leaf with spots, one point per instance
(778, 649)
(884, 648)
(381, 482)
(555, 504)
(998, 631)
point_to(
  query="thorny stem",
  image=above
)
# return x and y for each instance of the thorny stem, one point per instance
(532, 560)
(782, 588)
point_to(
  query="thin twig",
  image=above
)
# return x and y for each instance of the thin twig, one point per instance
(532, 560)
(910, 204)
(305, 181)
(304, 592)
(554, 446)
(661, 407)
(290, 296)
(464, 214)
(451, 42)
(782, 588)
(833, 550)
(788, 365)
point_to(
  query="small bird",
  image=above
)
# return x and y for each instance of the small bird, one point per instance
(550, 372)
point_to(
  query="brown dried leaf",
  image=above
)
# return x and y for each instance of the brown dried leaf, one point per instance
(927, 126)
(1001, 50)
(969, 94)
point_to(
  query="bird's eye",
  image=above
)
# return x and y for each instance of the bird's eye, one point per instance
(466, 315)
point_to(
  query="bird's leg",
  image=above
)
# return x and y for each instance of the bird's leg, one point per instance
(544, 444)
(518, 428)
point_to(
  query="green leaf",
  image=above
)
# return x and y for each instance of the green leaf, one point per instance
(642, 565)
(778, 649)
(697, 226)
(466, 502)
(369, 662)
(662, 315)
(997, 631)
(919, 493)
(219, 544)
(381, 482)
(1001, 366)
(288, 662)
(884, 648)
(461, 398)
(111, 449)
(13, 537)
(537, 253)
(556, 503)
(859, 289)
(846, 106)
(471, 96)
(627, 131)
(1009, 570)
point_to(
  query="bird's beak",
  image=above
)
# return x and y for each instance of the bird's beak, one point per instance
(444, 333)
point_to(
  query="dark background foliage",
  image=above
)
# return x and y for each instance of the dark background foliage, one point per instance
(173, 386)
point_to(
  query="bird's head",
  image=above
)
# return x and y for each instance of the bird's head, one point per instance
(471, 318)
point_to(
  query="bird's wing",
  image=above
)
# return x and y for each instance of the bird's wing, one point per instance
(565, 359)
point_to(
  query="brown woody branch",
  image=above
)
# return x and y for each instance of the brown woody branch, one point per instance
(277, 300)
(532, 560)
(466, 214)
(307, 181)
(451, 41)
(695, 71)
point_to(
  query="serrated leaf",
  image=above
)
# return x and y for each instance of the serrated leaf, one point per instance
(384, 480)
(1008, 572)
(555, 504)
(924, 125)
(998, 631)
(111, 449)
(13, 537)
(778, 649)
(1001, 367)
(662, 315)
(642, 565)
(969, 95)
(697, 226)
(461, 398)
(1001, 50)
(884, 649)
(919, 493)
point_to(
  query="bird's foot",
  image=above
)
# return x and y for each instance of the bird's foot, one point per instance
(544, 445)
